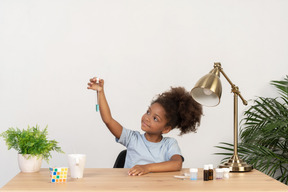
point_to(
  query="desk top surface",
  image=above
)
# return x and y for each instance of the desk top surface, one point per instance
(109, 179)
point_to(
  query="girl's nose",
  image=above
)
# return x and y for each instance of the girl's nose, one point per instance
(146, 117)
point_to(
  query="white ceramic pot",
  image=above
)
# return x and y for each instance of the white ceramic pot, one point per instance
(29, 165)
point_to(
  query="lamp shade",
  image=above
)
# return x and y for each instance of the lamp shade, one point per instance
(207, 91)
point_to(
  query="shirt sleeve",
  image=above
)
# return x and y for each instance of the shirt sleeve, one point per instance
(174, 149)
(126, 136)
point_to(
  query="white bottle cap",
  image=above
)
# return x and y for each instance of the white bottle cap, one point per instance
(193, 170)
(210, 166)
(206, 167)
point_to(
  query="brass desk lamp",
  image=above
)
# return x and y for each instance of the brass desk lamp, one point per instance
(207, 92)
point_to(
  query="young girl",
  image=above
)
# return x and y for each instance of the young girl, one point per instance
(151, 152)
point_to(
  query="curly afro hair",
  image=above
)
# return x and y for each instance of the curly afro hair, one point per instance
(182, 111)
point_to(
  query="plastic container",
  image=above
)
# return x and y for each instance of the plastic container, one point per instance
(226, 173)
(193, 173)
(219, 173)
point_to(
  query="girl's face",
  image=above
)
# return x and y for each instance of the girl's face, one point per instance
(154, 121)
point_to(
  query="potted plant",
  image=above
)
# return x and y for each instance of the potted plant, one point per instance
(32, 146)
(264, 134)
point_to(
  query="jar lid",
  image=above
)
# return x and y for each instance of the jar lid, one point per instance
(219, 170)
(193, 170)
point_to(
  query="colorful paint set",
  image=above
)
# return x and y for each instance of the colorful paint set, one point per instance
(58, 174)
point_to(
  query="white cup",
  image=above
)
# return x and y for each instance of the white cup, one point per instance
(76, 164)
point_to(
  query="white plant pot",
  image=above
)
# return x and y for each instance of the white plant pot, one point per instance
(29, 165)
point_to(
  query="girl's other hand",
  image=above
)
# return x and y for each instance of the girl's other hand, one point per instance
(138, 170)
(94, 85)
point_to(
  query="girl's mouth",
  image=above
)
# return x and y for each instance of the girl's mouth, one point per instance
(144, 124)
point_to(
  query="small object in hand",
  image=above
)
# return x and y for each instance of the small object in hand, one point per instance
(97, 102)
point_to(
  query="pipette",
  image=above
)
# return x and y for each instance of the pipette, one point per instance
(97, 102)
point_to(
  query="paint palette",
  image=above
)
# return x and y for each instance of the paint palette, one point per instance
(58, 174)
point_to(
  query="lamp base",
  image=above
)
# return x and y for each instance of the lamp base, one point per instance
(236, 165)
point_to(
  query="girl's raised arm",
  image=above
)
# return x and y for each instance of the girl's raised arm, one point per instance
(114, 127)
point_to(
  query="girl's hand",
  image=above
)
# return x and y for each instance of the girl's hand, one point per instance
(94, 85)
(138, 170)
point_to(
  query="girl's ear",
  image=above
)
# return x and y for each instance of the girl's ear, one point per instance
(167, 129)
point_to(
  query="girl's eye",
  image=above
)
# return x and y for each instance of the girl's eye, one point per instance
(148, 112)
(155, 119)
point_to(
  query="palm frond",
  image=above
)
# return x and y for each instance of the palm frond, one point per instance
(282, 86)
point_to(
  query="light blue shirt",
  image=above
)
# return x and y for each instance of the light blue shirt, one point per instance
(141, 152)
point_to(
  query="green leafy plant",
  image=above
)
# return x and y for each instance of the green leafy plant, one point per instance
(31, 141)
(264, 134)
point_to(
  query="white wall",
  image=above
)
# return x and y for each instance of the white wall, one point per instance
(50, 48)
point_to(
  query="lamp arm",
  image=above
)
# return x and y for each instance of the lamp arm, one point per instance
(234, 88)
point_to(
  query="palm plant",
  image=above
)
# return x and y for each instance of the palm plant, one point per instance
(264, 134)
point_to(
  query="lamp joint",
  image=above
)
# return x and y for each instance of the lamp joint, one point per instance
(218, 65)
(235, 89)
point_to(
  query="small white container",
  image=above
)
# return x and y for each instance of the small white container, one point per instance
(219, 173)
(193, 173)
(226, 173)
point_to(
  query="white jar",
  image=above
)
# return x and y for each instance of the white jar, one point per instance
(193, 173)
(226, 173)
(219, 173)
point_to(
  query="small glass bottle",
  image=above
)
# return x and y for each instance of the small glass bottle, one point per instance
(226, 173)
(206, 173)
(219, 173)
(193, 173)
(210, 171)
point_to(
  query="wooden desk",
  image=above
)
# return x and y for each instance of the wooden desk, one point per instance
(101, 179)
